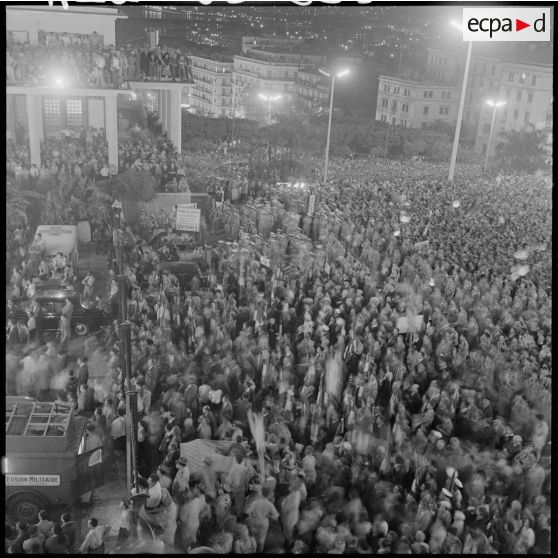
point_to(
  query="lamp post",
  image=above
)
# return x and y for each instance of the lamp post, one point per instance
(270, 99)
(460, 110)
(494, 105)
(331, 75)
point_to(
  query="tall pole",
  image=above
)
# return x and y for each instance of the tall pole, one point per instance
(269, 112)
(459, 115)
(233, 110)
(490, 138)
(329, 129)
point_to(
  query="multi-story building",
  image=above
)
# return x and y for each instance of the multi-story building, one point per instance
(270, 72)
(312, 90)
(37, 111)
(212, 92)
(267, 41)
(415, 104)
(524, 82)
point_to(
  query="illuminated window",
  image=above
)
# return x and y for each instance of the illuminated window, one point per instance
(51, 111)
(74, 112)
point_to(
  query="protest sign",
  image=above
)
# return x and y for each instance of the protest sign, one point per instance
(187, 218)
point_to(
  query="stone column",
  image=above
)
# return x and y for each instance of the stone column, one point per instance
(35, 119)
(111, 128)
(175, 111)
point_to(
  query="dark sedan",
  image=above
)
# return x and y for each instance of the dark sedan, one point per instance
(84, 320)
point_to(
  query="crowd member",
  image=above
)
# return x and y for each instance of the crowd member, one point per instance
(94, 540)
(87, 62)
(381, 436)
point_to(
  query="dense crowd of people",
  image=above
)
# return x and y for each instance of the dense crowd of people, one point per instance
(87, 62)
(393, 333)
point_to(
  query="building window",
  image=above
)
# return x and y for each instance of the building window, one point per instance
(425, 94)
(515, 114)
(493, 70)
(444, 110)
(441, 110)
(510, 76)
(430, 93)
(74, 112)
(508, 93)
(393, 120)
(527, 115)
(443, 94)
(425, 110)
(394, 106)
(534, 79)
(548, 119)
(521, 78)
(405, 108)
(51, 111)
(384, 103)
(519, 95)
(529, 97)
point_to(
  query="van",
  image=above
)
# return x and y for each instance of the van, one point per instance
(46, 462)
(61, 238)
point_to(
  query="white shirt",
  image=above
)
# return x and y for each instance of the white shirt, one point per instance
(154, 496)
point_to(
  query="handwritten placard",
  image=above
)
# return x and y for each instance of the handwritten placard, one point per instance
(187, 218)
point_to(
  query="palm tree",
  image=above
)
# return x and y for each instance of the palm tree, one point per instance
(85, 201)
(16, 207)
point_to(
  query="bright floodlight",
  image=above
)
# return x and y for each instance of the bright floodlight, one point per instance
(456, 24)
(58, 82)
(324, 72)
(270, 98)
(496, 104)
(343, 73)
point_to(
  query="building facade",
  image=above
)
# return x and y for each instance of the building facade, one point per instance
(525, 86)
(312, 90)
(34, 112)
(212, 92)
(414, 104)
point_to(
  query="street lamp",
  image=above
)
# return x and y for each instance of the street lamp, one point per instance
(331, 75)
(461, 105)
(494, 105)
(270, 99)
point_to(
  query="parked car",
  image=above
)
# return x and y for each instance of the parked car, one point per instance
(184, 272)
(84, 320)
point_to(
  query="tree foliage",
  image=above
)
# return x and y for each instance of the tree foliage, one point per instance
(525, 151)
(133, 185)
(82, 200)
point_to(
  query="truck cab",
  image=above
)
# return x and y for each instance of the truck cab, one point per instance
(46, 464)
